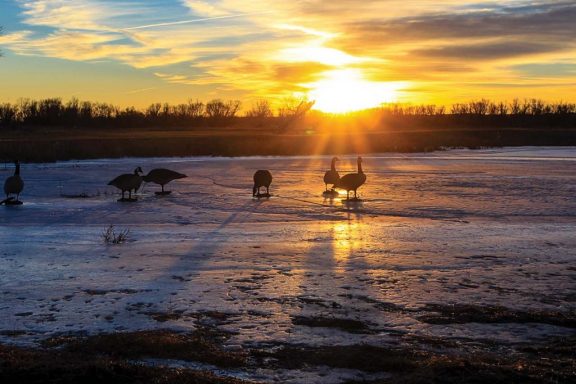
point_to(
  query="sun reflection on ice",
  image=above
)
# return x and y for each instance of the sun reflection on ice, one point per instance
(347, 238)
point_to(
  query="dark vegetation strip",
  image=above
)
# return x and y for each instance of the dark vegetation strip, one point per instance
(461, 313)
(434, 313)
(22, 366)
(348, 325)
(110, 358)
(32, 148)
(202, 345)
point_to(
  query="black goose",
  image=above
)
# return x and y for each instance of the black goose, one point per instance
(128, 182)
(331, 176)
(262, 178)
(14, 185)
(352, 181)
(162, 176)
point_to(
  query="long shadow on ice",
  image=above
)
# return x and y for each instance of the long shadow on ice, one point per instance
(191, 268)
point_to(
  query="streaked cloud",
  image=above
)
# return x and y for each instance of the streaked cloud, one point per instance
(489, 50)
(546, 70)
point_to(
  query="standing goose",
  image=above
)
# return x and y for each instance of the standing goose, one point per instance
(13, 186)
(352, 181)
(162, 176)
(262, 178)
(128, 182)
(331, 176)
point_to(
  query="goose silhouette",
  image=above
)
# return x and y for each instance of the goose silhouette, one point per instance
(352, 181)
(13, 186)
(331, 177)
(262, 178)
(128, 182)
(162, 176)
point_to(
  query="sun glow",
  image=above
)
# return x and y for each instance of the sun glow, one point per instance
(345, 90)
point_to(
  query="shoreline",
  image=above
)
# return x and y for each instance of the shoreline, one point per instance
(49, 146)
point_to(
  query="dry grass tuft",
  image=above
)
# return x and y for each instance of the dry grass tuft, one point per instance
(111, 237)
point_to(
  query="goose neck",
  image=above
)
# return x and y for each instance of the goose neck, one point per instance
(333, 165)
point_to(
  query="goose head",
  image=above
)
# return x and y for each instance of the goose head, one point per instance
(138, 170)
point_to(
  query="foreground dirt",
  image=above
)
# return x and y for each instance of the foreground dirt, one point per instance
(124, 358)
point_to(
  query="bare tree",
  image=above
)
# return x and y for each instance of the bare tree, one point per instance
(219, 109)
(260, 108)
(153, 110)
(295, 108)
(292, 110)
(195, 109)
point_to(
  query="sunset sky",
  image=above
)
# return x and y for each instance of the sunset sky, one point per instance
(344, 54)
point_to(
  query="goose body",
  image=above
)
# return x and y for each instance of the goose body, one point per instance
(262, 178)
(162, 176)
(331, 176)
(353, 181)
(128, 182)
(14, 184)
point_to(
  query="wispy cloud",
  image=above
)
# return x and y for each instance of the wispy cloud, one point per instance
(140, 90)
(181, 22)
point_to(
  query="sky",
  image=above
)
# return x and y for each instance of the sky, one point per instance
(345, 54)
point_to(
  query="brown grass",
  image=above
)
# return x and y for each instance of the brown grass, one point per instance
(53, 144)
(460, 313)
(201, 345)
(347, 325)
(20, 366)
(109, 358)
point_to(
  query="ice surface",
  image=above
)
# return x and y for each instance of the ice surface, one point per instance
(485, 228)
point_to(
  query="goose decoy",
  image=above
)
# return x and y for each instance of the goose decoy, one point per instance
(128, 182)
(352, 181)
(13, 186)
(262, 178)
(162, 176)
(331, 177)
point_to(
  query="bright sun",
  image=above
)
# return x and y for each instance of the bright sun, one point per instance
(345, 90)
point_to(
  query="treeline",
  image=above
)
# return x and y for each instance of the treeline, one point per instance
(217, 112)
(55, 112)
(481, 114)
(477, 114)
(484, 107)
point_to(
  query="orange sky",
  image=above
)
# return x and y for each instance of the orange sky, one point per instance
(343, 54)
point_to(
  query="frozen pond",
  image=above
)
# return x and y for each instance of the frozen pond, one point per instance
(488, 229)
